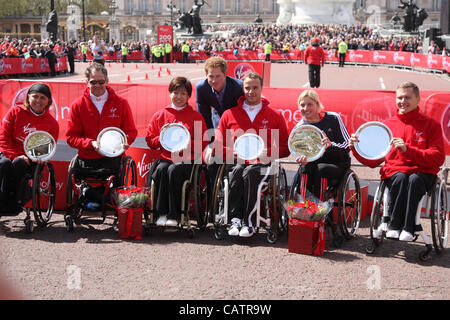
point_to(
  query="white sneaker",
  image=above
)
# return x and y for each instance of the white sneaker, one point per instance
(406, 236)
(234, 230)
(246, 232)
(393, 234)
(161, 222)
(171, 223)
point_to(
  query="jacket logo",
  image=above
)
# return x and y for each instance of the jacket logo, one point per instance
(27, 130)
(113, 113)
(264, 124)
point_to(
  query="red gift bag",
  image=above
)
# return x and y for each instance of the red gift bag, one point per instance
(306, 237)
(130, 223)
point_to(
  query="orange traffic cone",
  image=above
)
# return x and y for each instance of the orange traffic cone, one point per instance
(153, 67)
(160, 68)
(159, 74)
(109, 65)
(123, 65)
(128, 78)
(146, 76)
(137, 66)
(168, 71)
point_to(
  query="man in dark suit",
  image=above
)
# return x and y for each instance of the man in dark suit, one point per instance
(217, 93)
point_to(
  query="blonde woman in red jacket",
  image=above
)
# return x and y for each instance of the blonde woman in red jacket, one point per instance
(99, 107)
(18, 122)
(411, 165)
(174, 168)
(252, 114)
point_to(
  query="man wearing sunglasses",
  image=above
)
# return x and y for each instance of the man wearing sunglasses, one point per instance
(99, 107)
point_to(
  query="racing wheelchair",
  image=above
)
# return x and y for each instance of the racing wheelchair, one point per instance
(40, 188)
(345, 195)
(270, 204)
(194, 201)
(38, 183)
(89, 190)
(436, 208)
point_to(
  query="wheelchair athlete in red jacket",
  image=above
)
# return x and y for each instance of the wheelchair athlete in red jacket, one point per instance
(174, 168)
(412, 163)
(18, 122)
(99, 107)
(252, 115)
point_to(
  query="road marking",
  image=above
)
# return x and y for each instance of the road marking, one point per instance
(306, 85)
(383, 86)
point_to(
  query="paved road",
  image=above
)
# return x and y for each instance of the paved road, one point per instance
(92, 263)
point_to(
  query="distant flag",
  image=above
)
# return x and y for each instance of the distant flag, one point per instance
(27, 56)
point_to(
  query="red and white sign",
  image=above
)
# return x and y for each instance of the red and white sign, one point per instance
(165, 34)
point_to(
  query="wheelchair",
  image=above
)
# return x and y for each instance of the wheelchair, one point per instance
(104, 181)
(345, 195)
(40, 188)
(436, 208)
(194, 202)
(270, 203)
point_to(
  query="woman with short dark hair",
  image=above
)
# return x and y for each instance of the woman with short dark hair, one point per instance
(174, 168)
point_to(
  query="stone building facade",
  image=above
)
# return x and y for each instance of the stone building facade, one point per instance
(138, 19)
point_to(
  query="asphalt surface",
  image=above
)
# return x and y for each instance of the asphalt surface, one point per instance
(92, 263)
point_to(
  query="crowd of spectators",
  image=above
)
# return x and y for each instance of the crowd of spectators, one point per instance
(285, 37)
(247, 37)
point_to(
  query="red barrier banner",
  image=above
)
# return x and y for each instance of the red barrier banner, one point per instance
(238, 69)
(33, 65)
(408, 59)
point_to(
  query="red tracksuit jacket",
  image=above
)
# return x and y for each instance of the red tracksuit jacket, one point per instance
(85, 123)
(425, 146)
(190, 119)
(236, 122)
(314, 55)
(18, 123)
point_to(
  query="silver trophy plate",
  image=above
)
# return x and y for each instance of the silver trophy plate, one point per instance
(111, 142)
(174, 137)
(249, 146)
(374, 140)
(39, 145)
(306, 140)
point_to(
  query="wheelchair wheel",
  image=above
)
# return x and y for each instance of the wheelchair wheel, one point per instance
(200, 190)
(281, 196)
(218, 200)
(128, 172)
(439, 219)
(72, 205)
(43, 193)
(294, 191)
(349, 210)
(376, 219)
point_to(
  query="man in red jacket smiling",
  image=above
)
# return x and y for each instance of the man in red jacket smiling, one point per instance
(99, 107)
(412, 163)
(252, 114)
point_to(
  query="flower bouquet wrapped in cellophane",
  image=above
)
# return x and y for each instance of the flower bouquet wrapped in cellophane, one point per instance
(131, 197)
(308, 208)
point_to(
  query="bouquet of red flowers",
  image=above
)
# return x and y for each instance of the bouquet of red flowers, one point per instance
(131, 197)
(310, 209)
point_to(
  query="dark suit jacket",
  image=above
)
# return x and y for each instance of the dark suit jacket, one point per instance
(206, 98)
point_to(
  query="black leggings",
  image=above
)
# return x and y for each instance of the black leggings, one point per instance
(316, 171)
(12, 174)
(169, 178)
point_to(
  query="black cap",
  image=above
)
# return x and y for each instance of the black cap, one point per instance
(41, 88)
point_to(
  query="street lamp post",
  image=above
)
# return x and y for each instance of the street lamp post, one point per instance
(84, 21)
(171, 7)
